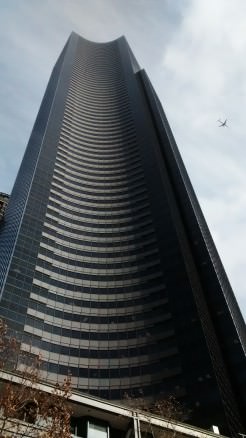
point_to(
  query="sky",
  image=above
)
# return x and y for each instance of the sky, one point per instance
(194, 52)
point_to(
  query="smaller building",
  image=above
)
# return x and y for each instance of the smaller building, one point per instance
(4, 199)
(97, 418)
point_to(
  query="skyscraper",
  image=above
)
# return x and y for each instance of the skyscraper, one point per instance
(107, 265)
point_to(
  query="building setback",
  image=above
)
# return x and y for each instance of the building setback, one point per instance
(107, 266)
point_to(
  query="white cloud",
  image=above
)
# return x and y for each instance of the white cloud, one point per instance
(203, 69)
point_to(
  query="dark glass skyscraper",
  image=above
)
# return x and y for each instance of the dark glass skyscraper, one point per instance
(107, 265)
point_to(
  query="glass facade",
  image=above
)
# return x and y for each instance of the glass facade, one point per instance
(107, 267)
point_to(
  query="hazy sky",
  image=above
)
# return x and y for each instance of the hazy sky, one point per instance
(195, 54)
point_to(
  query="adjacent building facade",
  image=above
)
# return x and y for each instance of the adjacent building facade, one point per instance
(107, 266)
(92, 417)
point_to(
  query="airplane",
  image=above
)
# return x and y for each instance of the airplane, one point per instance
(224, 124)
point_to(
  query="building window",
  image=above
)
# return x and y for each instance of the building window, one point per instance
(95, 430)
